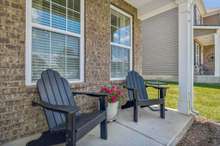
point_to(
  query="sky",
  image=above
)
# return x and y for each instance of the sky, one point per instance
(212, 3)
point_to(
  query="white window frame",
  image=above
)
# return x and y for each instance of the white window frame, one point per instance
(198, 47)
(28, 50)
(123, 46)
(199, 19)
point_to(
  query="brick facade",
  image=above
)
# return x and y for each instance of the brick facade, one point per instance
(209, 59)
(17, 117)
(212, 20)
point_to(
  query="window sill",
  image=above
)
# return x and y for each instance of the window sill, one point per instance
(32, 85)
(117, 79)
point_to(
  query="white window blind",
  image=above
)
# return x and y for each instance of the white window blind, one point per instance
(56, 36)
(120, 61)
(121, 43)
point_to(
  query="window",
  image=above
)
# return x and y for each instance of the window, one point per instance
(54, 38)
(121, 43)
(197, 59)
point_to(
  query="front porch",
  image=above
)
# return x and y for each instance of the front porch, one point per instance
(91, 68)
(150, 130)
(206, 79)
(206, 53)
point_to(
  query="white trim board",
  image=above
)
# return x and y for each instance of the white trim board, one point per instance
(216, 12)
(157, 11)
(206, 27)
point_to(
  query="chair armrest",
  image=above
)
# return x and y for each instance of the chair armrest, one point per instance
(92, 94)
(157, 86)
(161, 88)
(57, 108)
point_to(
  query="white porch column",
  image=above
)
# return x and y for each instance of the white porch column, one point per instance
(185, 55)
(217, 54)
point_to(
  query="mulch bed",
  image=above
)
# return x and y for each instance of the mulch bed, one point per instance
(202, 133)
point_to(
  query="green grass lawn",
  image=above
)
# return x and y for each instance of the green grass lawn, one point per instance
(206, 100)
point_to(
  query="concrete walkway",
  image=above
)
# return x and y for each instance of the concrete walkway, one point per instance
(149, 131)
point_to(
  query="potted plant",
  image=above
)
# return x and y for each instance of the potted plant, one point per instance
(115, 95)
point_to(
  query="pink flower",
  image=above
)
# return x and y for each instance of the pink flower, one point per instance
(115, 93)
(110, 91)
(114, 87)
(114, 99)
(103, 89)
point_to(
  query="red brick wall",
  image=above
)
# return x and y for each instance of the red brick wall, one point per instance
(208, 53)
(212, 20)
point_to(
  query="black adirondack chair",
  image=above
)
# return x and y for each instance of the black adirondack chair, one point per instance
(65, 122)
(138, 96)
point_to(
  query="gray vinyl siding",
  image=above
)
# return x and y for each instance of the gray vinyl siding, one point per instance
(160, 44)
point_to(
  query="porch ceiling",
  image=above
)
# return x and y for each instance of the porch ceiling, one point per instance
(202, 32)
(205, 34)
(149, 8)
(138, 3)
(206, 40)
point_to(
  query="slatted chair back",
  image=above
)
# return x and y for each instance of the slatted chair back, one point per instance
(134, 80)
(55, 90)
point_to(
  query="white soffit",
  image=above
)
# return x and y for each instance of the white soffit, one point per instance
(138, 3)
(206, 40)
(150, 8)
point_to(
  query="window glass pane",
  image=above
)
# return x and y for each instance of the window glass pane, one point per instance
(115, 34)
(63, 55)
(121, 28)
(73, 21)
(74, 5)
(40, 52)
(64, 16)
(125, 31)
(58, 52)
(58, 16)
(73, 58)
(60, 2)
(41, 12)
(120, 62)
(114, 19)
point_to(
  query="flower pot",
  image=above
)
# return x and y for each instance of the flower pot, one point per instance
(112, 111)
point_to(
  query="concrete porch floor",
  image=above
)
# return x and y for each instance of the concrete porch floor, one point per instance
(149, 131)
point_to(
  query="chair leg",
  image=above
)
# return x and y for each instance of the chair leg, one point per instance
(103, 130)
(162, 106)
(162, 111)
(70, 139)
(135, 113)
